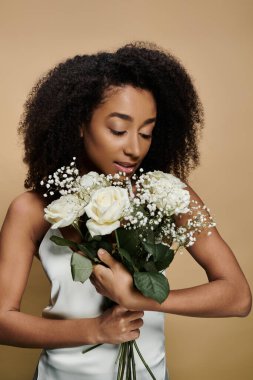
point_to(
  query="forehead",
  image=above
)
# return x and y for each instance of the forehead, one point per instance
(128, 99)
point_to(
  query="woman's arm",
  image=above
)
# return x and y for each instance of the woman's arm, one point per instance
(226, 294)
(23, 227)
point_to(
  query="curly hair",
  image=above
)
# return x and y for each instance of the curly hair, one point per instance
(64, 99)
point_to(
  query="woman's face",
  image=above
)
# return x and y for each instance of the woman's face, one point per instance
(120, 131)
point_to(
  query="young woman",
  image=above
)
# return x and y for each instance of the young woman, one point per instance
(130, 109)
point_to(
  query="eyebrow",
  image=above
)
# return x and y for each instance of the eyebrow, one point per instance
(129, 118)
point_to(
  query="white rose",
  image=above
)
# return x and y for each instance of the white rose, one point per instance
(168, 193)
(90, 179)
(106, 207)
(63, 211)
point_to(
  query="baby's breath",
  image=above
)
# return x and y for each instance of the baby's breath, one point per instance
(64, 180)
(158, 197)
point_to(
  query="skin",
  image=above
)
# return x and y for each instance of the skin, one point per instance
(123, 138)
(25, 221)
(226, 294)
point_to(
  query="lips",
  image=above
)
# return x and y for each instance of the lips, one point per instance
(125, 166)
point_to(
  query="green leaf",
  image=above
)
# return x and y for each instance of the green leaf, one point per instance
(63, 242)
(150, 266)
(156, 250)
(161, 254)
(81, 267)
(163, 261)
(129, 239)
(126, 255)
(151, 237)
(105, 245)
(152, 285)
(88, 250)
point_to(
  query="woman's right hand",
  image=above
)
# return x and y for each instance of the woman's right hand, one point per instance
(118, 324)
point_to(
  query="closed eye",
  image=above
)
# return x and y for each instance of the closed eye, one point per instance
(146, 136)
(117, 133)
(120, 133)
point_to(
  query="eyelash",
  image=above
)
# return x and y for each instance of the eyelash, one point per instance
(120, 133)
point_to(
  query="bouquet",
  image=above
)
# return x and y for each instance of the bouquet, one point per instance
(133, 219)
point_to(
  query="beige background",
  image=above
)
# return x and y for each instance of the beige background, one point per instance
(214, 41)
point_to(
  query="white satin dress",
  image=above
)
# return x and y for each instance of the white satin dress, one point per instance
(70, 299)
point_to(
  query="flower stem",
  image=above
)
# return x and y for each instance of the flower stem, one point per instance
(117, 239)
(76, 226)
(143, 361)
(117, 358)
(91, 348)
(121, 368)
(128, 370)
(133, 361)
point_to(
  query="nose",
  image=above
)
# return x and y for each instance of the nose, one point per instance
(132, 146)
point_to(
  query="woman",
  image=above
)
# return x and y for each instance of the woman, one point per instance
(133, 108)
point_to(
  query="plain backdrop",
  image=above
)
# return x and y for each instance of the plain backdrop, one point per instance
(213, 39)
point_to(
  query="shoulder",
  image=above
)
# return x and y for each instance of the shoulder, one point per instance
(28, 201)
(193, 193)
(196, 204)
(28, 205)
(27, 211)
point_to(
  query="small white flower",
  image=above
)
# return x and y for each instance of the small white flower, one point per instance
(166, 192)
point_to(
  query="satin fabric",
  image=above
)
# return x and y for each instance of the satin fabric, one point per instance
(70, 299)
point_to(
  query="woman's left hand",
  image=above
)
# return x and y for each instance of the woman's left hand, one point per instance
(114, 282)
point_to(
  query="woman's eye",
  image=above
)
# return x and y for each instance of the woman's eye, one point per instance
(120, 133)
(146, 136)
(117, 133)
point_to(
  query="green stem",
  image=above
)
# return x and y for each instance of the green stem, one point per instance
(120, 348)
(76, 226)
(124, 360)
(91, 348)
(143, 361)
(117, 238)
(120, 362)
(133, 361)
(127, 362)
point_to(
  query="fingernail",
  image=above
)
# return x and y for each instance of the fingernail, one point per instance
(101, 252)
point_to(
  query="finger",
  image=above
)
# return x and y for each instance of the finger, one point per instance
(99, 271)
(106, 258)
(136, 324)
(135, 334)
(94, 281)
(120, 309)
(133, 315)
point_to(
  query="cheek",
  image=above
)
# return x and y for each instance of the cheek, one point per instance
(146, 149)
(95, 141)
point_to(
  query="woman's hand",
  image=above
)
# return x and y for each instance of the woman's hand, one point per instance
(117, 325)
(114, 282)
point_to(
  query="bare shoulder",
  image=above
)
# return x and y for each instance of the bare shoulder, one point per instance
(27, 202)
(22, 229)
(26, 211)
(193, 194)
(196, 204)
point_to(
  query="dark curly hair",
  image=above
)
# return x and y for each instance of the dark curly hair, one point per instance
(64, 99)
